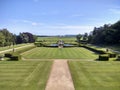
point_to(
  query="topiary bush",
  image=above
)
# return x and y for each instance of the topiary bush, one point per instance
(104, 57)
(112, 55)
(118, 57)
(8, 55)
(15, 57)
(1, 57)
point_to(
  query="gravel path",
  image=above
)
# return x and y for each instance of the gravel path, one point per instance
(60, 77)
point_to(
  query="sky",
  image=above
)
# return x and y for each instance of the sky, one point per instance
(57, 17)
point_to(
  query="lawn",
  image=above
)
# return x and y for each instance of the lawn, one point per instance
(59, 53)
(95, 75)
(51, 40)
(56, 38)
(24, 75)
(10, 47)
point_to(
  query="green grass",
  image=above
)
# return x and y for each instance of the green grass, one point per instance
(56, 38)
(24, 75)
(50, 40)
(95, 75)
(10, 47)
(59, 53)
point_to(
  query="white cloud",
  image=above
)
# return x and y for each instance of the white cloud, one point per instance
(115, 11)
(71, 29)
(32, 22)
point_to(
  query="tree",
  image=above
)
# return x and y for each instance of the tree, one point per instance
(8, 37)
(2, 39)
(25, 37)
(78, 37)
(107, 34)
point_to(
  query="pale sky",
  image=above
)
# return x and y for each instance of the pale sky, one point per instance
(57, 17)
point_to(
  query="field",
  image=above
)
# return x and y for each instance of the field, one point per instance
(59, 53)
(51, 40)
(56, 38)
(95, 75)
(24, 75)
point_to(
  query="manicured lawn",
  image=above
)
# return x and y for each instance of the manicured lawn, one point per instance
(51, 40)
(24, 75)
(59, 53)
(7, 47)
(56, 38)
(95, 75)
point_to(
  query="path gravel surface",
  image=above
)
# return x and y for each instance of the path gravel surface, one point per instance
(60, 77)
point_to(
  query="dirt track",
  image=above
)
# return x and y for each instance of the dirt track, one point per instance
(60, 77)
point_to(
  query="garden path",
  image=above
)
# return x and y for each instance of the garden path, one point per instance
(60, 77)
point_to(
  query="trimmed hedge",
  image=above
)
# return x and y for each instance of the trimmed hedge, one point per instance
(1, 57)
(8, 55)
(16, 55)
(15, 58)
(39, 44)
(112, 55)
(94, 50)
(104, 57)
(118, 57)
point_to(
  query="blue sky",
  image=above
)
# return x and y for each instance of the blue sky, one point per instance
(57, 17)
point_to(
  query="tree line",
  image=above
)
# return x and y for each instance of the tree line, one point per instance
(7, 38)
(106, 34)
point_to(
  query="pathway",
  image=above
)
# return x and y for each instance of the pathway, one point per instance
(60, 77)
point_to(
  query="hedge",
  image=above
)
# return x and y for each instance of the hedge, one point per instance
(112, 55)
(1, 57)
(15, 57)
(118, 57)
(104, 57)
(39, 44)
(94, 50)
(8, 55)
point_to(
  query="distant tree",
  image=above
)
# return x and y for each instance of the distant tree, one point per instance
(78, 37)
(2, 39)
(8, 37)
(25, 37)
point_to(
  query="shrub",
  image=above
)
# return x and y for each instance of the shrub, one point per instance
(104, 57)
(15, 57)
(8, 55)
(1, 57)
(39, 44)
(95, 50)
(118, 57)
(112, 55)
